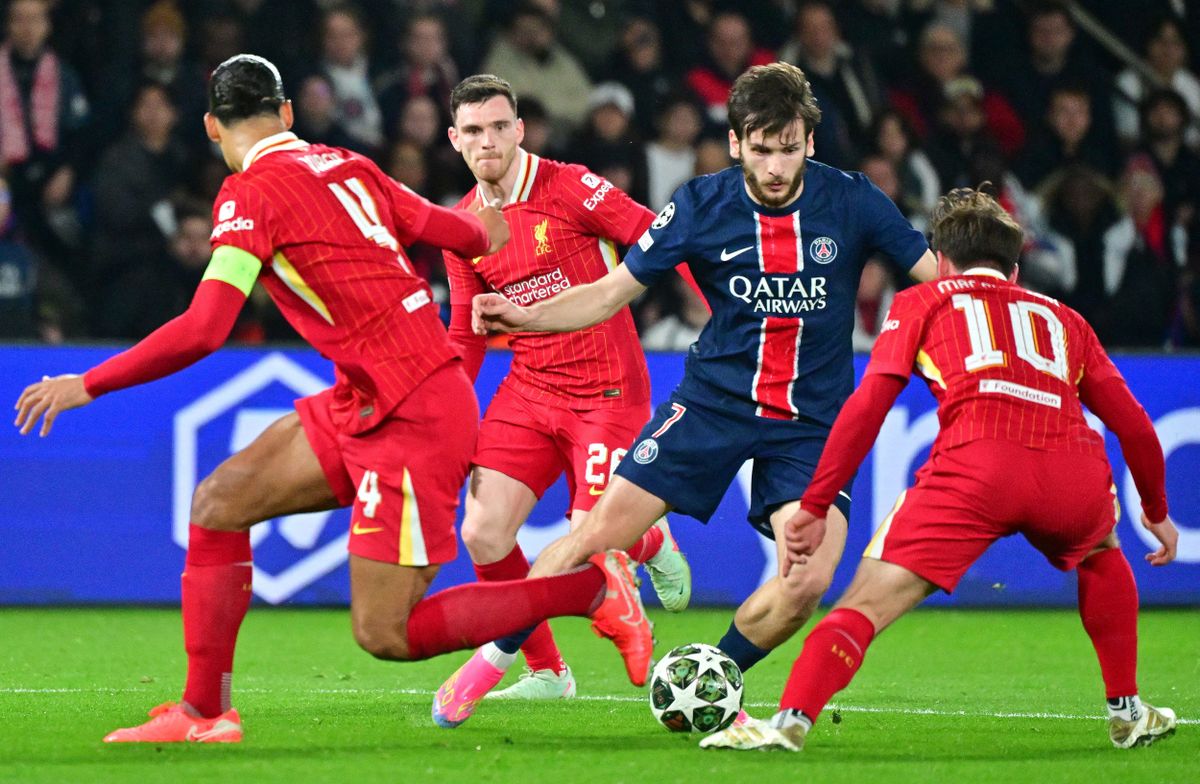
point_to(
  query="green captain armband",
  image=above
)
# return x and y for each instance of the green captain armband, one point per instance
(234, 266)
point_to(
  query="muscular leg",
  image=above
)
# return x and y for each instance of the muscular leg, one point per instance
(879, 594)
(618, 520)
(782, 605)
(382, 596)
(276, 474)
(496, 508)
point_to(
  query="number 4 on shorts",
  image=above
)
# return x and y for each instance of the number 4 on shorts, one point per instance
(368, 493)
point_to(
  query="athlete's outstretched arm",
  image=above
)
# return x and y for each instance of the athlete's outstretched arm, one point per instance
(575, 308)
(1111, 400)
(850, 440)
(191, 336)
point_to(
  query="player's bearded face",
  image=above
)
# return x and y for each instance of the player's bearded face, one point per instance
(774, 164)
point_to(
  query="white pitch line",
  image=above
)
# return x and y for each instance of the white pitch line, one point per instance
(630, 698)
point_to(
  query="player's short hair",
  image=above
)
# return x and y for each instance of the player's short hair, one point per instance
(244, 86)
(970, 228)
(770, 98)
(479, 88)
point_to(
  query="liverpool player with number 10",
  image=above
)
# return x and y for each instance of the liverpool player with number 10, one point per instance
(323, 228)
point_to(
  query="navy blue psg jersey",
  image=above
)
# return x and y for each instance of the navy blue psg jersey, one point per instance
(781, 284)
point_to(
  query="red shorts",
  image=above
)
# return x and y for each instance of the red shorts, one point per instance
(535, 444)
(404, 475)
(968, 496)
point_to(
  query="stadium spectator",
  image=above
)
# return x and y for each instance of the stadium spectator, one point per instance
(878, 282)
(1166, 52)
(1143, 254)
(876, 29)
(961, 133)
(316, 115)
(729, 51)
(1079, 205)
(1164, 120)
(165, 62)
(529, 55)
(891, 137)
(1054, 58)
(680, 318)
(671, 156)
(345, 61)
(941, 60)
(841, 78)
(1066, 139)
(43, 123)
(425, 69)
(538, 131)
(607, 144)
(638, 63)
(18, 276)
(134, 183)
(712, 155)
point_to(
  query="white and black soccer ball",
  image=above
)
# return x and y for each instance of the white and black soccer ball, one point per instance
(696, 687)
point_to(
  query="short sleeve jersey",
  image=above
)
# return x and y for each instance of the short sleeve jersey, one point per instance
(781, 283)
(329, 228)
(565, 224)
(1003, 362)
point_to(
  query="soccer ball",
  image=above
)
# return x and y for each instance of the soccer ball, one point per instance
(696, 687)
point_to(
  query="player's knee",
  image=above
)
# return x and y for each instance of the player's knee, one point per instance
(382, 641)
(486, 541)
(803, 589)
(212, 504)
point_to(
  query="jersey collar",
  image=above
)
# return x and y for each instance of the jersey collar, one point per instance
(527, 167)
(986, 271)
(286, 140)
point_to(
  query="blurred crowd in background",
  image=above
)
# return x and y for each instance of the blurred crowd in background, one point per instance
(1083, 115)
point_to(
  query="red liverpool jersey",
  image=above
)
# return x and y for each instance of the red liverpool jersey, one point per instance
(328, 226)
(1003, 362)
(565, 223)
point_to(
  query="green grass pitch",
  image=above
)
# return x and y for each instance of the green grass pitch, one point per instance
(981, 696)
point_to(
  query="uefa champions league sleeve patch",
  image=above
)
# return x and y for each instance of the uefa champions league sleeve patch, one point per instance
(664, 217)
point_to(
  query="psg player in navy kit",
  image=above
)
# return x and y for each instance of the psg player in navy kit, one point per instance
(777, 246)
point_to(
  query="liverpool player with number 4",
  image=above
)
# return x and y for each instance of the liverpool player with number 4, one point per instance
(323, 227)
(1009, 369)
(571, 403)
(777, 245)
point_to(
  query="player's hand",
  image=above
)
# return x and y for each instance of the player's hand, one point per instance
(802, 535)
(493, 221)
(494, 313)
(1166, 533)
(48, 398)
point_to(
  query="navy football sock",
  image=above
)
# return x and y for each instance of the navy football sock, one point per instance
(735, 645)
(513, 642)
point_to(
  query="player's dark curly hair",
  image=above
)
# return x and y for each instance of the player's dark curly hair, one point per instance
(770, 98)
(244, 86)
(479, 88)
(971, 228)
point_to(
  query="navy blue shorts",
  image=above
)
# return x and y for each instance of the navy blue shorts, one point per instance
(689, 453)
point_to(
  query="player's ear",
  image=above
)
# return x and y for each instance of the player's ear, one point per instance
(286, 114)
(809, 149)
(210, 128)
(944, 268)
(735, 147)
(452, 133)
(520, 128)
(1012, 278)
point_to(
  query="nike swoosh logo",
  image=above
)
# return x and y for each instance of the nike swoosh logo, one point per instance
(358, 529)
(595, 490)
(726, 255)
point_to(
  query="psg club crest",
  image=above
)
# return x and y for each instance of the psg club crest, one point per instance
(823, 250)
(646, 451)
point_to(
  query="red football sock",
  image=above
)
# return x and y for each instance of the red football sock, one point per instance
(832, 653)
(540, 651)
(216, 594)
(648, 546)
(467, 616)
(1108, 605)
